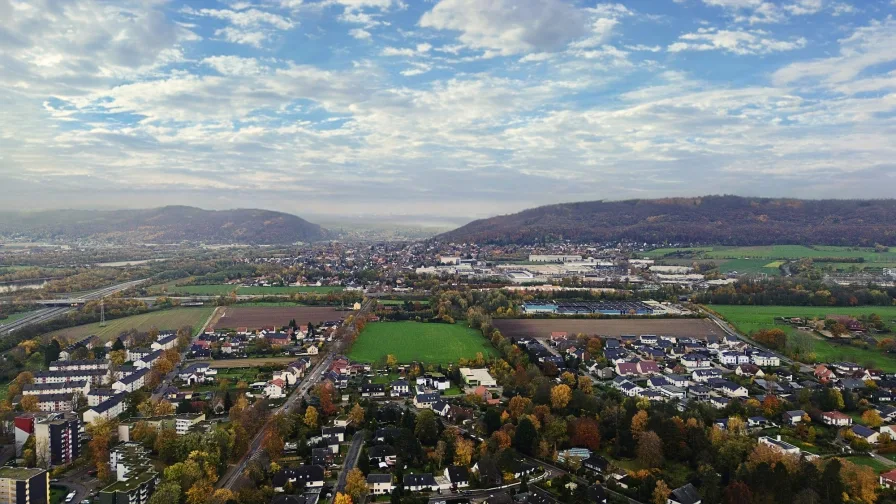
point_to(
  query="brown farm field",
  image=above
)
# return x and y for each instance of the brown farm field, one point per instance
(255, 317)
(252, 362)
(541, 328)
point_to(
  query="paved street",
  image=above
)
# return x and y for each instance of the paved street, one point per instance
(351, 459)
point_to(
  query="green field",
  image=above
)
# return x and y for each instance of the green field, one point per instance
(13, 317)
(748, 266)
(415, 341)
(748, 319)
(748, 259)
(225, 289)
(174, 318)
(873, 463)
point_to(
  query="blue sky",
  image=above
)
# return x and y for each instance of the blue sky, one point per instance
(460, 108)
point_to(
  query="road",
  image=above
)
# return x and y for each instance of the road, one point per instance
(311, 379)
(351, 458)
(45, 314)
(84, 485)
(166, 381)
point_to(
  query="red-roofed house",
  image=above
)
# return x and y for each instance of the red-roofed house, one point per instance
(486, 396)
(888, 479)
(557, 337)
(626, 368)
(648, 367)
(836, 418)
(823, 373)
(274, 389)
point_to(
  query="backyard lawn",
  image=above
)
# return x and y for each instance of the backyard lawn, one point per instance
(421, 342)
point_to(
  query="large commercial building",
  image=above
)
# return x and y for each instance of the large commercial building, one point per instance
(24, 486)
(554, 258)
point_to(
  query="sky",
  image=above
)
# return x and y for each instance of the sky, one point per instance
(458, 108)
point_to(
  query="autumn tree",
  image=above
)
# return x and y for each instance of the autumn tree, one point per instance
(101, 431)
(772, 338)
(342, 498)
(738, 493)
(650, 449)
(568, 378)
(586, 433)
(518, 405)
(872, 419)
(639, 423)
(661, 492)
(356, 485)
(311, 417)
(585, 384)
(273, 444)
(463, 452)
(560, 396)
(30, 403)
(325, 393)
(356, 415)
(391, 361)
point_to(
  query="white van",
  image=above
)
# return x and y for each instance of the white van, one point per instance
(70, 497)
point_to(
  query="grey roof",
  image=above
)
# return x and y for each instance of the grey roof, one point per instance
(685, 495)
(109, 403)
(131, 378)
(379, 478)
(415, 480)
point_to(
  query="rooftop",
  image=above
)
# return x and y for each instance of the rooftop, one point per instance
(19, 473)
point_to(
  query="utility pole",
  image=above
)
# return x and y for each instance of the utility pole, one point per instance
(103, 312)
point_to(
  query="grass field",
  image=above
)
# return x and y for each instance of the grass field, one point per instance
(753, 318)
(747, 259)
(870, 462)
(13, 317)
(225, 289)
(415, 341)
(174, 318)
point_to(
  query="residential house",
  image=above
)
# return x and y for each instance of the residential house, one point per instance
(373, 390)
(420, 483)
(823, 373)
(836, 419)
(108, 409)
(794, 417)
(380, 484)
(780, 446)
(685, 495)
(749, 370)
(704, 375)
(131, 382)
(382, 456)
(766, 359)
(458, 476)
(425, 401)
(339, 432)
(305, 476)
(400, 388)
(888, 479)
(596, 464)
(865, 433)
(274, 389)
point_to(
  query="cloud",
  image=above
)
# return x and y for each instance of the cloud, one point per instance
(247, 26)
(359, 34)
(763, 11)
(867, 47)
(742, 42)
(507, 27)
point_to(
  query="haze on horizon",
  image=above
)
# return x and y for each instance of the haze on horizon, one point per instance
(446, 108)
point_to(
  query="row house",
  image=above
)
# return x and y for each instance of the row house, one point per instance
(78, 365)
(98, 395)
(132, 382)
(108, 409)
(93, 376)
(734, 358)
(147, 361)
(166, 342)
(71, 387)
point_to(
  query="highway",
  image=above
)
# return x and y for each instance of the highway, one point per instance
(45, 314)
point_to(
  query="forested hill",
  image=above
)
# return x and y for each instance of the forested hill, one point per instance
(171, 224)
(721, 220)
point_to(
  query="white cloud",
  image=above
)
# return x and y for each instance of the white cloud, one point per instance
(644, 48)
(868, 46)
(764, 11)
(396, 51)
(244, 18)
(359, 34)
(240, 36)
(233, 65)
(507, 27)
(740, 42)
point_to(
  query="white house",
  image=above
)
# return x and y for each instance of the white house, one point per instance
(734, 358)
(274, 389)
(477, 377)
(108, 409)
(766, 359)
(164, 342)
(380, 484)
(836, 418)
(131, 382)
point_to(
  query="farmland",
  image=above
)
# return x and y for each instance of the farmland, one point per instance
(162, 320)
(540, 328)
(415, 341)
(250, 363)
(255, 317)
(748, 319)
